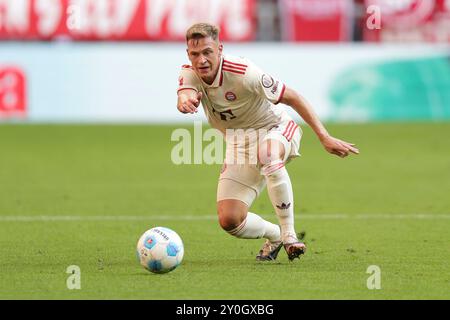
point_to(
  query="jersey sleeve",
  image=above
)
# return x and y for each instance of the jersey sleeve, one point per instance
(265, 85)
(187, 79)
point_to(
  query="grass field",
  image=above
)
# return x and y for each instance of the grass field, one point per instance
(82, 195)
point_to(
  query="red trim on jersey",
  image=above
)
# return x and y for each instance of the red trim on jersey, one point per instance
(236, 64)
(291, 134)
(233, 71)
(234, 67)
(281, 94)
(186, 66)
(221, 78)
(290, 131)
(181, 89)
(288, 127)
(221, 74)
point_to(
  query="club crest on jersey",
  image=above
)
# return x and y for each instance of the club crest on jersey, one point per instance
(180, 81)
(230, 96)
(267, 81)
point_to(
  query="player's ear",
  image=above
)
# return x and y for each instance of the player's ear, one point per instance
(220, 48)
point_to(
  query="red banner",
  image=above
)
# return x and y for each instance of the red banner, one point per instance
(12, 92)
(408, 20)
(123, 19)
(316, 20)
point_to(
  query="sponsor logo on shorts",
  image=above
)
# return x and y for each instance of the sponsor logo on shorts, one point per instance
(267, 81)
(230, 96)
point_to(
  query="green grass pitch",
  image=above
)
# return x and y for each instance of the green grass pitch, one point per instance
(389, 206)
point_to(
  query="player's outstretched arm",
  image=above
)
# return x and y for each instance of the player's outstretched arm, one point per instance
(188, 100)
(304, 109)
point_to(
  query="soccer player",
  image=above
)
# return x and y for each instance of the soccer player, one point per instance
(236, 94)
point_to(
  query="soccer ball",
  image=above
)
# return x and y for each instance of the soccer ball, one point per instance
(160, 250)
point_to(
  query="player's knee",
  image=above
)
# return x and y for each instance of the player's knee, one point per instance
(229, 217)
(228, 223)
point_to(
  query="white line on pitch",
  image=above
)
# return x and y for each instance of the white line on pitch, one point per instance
(49, 218)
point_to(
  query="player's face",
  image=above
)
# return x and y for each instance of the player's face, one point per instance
(204, 54)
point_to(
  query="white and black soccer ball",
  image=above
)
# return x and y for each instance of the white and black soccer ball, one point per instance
(160, 250)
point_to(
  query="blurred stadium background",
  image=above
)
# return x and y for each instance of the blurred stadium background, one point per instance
(118, 60)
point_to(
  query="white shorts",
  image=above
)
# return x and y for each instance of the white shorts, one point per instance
(245, 182)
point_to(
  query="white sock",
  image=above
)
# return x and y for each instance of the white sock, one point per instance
(255, 227)
(280, 192)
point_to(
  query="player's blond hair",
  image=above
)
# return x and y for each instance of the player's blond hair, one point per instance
(202, 30)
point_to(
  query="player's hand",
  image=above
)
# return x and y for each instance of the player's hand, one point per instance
(338, 147)
(189, 104)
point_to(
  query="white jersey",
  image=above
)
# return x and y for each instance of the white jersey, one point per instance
(241, 97)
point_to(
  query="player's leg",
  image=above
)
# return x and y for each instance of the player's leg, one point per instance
(272, 155)
(235, 219)
(233, 202)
